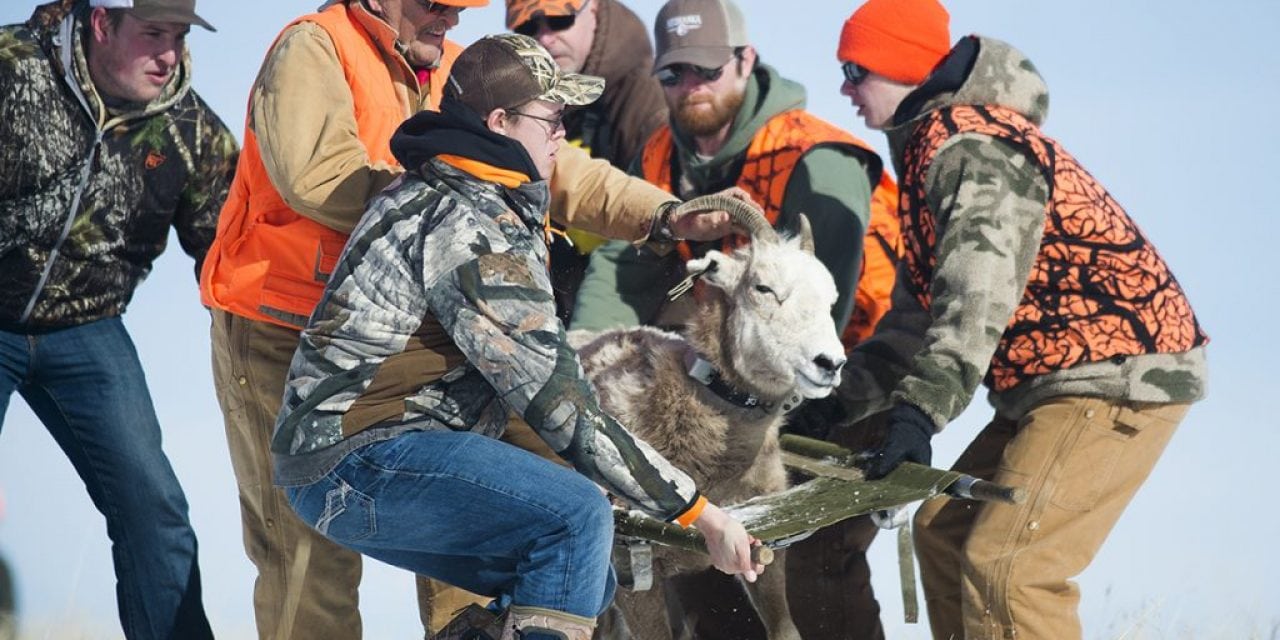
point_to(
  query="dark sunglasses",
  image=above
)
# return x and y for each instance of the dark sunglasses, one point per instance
(439, 8)
(554, 23)
(672, 74)
(854, 72)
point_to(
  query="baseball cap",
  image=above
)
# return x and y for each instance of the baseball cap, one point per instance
(522, 11)
(508, 70)
(180, 11)
(698, 32)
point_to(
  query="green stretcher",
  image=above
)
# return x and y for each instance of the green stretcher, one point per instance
(836, 491)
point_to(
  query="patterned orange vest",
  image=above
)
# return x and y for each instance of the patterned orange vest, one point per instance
(771, 157)
(1098, 289)
(267, 262)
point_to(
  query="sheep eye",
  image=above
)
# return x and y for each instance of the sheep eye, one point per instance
(760, 288)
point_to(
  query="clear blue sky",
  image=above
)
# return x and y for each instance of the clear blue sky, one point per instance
(1165, 102)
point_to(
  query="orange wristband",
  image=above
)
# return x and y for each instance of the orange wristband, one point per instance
(686, 519)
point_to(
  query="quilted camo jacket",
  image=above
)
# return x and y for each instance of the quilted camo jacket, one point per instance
(89, 190)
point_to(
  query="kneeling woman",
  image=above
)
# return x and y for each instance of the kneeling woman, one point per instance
(437, 322)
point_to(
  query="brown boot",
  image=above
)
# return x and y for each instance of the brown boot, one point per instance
(473, 622)
(533, 623)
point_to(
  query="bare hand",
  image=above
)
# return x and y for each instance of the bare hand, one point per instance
(696, 221)
(728, 543)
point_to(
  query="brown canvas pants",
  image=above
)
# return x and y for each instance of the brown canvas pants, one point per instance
(1004, 571)
(307, 586)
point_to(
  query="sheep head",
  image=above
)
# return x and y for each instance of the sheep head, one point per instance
(778, 336)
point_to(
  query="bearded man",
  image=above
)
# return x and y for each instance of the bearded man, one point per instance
(736, 122)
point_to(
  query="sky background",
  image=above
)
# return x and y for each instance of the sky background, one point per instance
(1166, 103)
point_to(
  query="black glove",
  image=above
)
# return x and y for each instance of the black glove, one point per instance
(907, 439)
(816, 418)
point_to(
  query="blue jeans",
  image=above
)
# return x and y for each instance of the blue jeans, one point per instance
(86, 385)
(474, 512)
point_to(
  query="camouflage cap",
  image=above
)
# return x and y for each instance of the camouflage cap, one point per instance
(180, 11)
(507, 70)
(522, 11)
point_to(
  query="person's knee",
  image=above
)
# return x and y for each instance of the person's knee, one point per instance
(594, 518)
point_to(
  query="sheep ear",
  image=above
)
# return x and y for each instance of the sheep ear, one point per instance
(806, 235)
(718, 269)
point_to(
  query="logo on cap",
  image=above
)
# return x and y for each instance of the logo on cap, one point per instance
(682, 25)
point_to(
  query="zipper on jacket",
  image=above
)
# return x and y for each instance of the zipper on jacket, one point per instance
(66, 227)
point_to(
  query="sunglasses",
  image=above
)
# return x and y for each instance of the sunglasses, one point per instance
(554, 23)
(854, 72)
(673, 74)
(439, 8)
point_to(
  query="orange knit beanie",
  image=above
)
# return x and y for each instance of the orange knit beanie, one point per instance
(902, 40)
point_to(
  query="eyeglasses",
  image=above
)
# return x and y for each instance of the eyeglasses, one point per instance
(854, 72)
(557, 123)
(439, 8)
(554, 23)
(673, 74)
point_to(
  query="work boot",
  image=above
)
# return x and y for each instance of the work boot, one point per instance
(473, 622)
(533, 623)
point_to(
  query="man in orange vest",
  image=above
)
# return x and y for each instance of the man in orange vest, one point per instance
(736, 121)
(1020, 271)
(333, 88)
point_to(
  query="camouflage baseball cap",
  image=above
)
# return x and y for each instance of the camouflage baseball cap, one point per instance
(508, 70)
(180, 11)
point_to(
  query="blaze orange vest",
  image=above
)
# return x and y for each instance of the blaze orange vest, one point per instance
(267, 262)
(1098, 289)
(771, 157)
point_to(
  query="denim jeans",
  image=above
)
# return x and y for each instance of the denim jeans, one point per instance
(86, 385)
(473, 512)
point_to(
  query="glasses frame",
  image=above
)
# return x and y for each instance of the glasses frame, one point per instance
(557, 124)
(673, 74)
(854, 73)
(438, 8)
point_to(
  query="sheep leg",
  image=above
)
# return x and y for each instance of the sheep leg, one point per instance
(645, 612)
(769, 597)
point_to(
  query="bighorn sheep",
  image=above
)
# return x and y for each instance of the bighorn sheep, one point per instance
(712, 401)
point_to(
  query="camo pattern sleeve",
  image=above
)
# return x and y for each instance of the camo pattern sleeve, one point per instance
(499, 310)
(989, 199)
(879, 363)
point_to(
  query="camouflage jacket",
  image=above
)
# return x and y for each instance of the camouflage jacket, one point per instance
(87, 191)
(448, 270)
(989, 199)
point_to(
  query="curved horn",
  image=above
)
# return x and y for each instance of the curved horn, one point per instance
(742, 214)
(806, 235)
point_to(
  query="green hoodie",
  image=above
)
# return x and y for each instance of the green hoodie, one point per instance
(626, 285)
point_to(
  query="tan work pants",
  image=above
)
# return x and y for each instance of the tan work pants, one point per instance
(307, 586)
(1004, 571)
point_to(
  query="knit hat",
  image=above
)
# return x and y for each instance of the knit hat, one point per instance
(522, 11)
(902, 40)
(508, 70)
(180, 11)
(698, 32)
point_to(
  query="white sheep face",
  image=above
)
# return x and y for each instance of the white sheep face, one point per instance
(781, 334)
